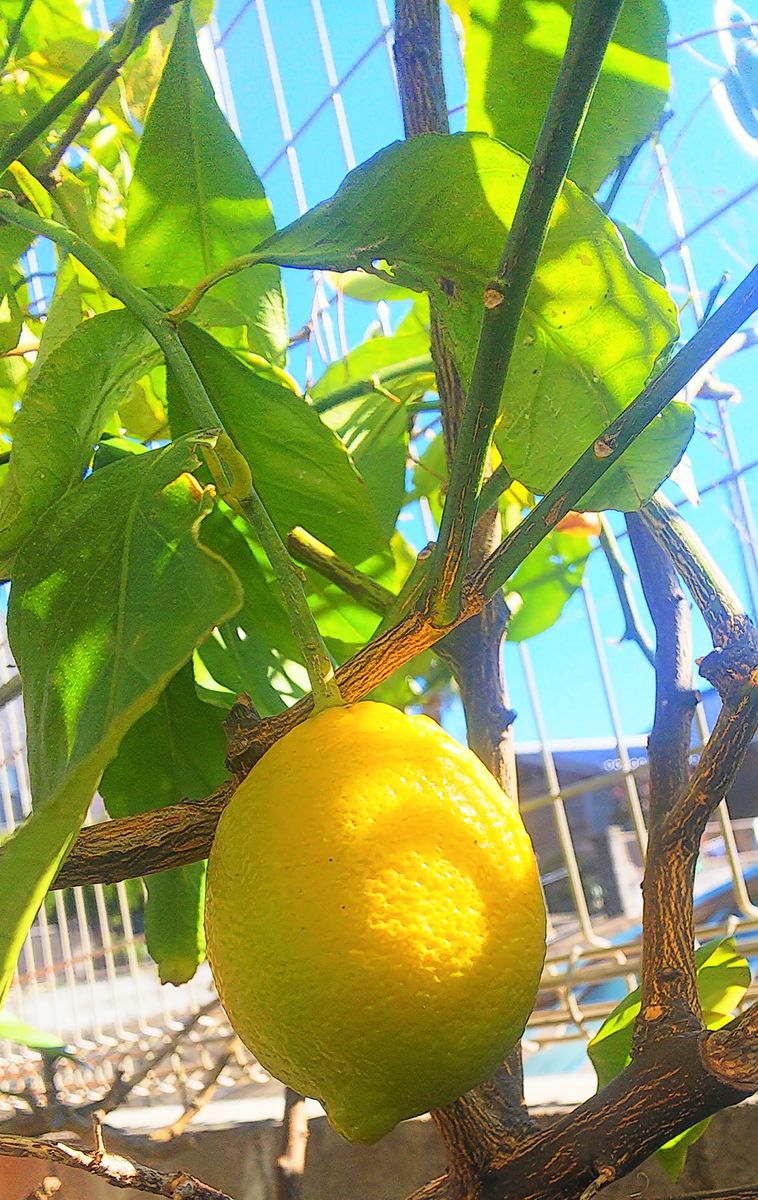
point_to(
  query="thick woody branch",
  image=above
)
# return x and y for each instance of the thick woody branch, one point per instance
(669, 986)
(494, 1113)
(661, 1093)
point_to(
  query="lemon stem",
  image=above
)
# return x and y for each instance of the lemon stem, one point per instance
(326, 693)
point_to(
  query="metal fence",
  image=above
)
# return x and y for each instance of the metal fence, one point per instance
(84, 973)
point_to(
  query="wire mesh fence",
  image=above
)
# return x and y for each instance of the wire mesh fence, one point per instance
(309, 88)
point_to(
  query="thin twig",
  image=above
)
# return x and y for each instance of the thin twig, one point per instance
(592, 26)
(14, 34)
(719, 605)
(122, 1085)
(200, 1098)
(309, 551)
(290, 1162)
(77, 123)
(116, 1170)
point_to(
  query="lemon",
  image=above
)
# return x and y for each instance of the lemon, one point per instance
(374, 917)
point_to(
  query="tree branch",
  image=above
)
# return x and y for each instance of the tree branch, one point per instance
(290, 1164)
(116, 1170)
(78, 121)
(720, 607)
(493, 1113)
(592, 25)
(309, 551)
(668, 980)
(183, 833)
(661, 1093)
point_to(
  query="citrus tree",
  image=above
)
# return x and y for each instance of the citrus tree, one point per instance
(202, 556)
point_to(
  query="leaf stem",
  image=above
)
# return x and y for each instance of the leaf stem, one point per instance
(144, 308)
(96, 65)
(195, 295)
(592, 26)
(618, 437)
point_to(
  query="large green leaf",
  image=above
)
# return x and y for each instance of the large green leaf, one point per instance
(77, 388)
(256, 651)
(112, 594)
(300, 468)
(513, 51)
(195, 201)
(175, 750)
(362, 397)
(546, 581)
(723, 977)
(594, 326)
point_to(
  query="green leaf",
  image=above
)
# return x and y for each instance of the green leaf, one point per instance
(723, 977)
(112, 594)
(300, 468)
(78, 387)
(375, 431)
(63, 316)
(546, 581)
(47, 22)
(594, 326)
(11, 317)
(401, 363)
(22, 1034)
(175, 750)
(195, 201)
(362, 398)
(513, 51)
(641, 254)
(359, 285)
(256, 651)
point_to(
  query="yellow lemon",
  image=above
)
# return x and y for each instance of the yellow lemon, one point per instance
(374, 917)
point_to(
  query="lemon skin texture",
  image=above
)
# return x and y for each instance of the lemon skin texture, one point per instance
(374, 917)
